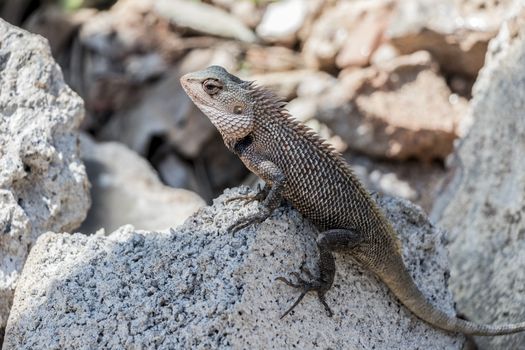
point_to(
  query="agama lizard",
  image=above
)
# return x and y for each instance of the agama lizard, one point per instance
(297, 165)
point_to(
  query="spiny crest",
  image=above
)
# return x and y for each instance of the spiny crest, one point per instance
(265, 97)
(275, 106)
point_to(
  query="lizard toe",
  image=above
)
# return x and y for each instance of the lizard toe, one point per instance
(314, 286)
(248, 198)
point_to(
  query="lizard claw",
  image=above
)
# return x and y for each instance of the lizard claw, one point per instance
(249, 220)
(248, 198)
(316, 286)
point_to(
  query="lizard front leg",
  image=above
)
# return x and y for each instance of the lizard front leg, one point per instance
(327, 241)
(275, 180)
(260, 196)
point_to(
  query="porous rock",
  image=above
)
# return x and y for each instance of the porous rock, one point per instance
(483, 204)
(43, 184)
(202, 287)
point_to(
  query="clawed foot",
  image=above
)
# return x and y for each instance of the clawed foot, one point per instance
(248, 198)
(306, 286)
(249, 220)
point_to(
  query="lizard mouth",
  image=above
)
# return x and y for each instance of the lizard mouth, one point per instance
(190, 86)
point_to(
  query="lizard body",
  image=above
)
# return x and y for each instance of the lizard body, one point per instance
(297, 165)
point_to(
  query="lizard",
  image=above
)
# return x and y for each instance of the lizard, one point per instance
(297, 165)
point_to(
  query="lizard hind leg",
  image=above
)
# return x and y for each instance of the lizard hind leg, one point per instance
(328, 241)
(306, 287)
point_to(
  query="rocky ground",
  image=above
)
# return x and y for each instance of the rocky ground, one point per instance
(423, 97)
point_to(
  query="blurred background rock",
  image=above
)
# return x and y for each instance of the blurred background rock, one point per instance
(387, 82)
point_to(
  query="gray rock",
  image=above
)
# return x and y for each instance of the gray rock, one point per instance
(126, 190)
(483, 205)
(175, 172)
(12, 11)
(164, 109)
(413, 180)
(201, 287)
(282, 21)
(43, 184)
(57, 25)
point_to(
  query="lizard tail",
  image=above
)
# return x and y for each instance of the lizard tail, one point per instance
(399, 281)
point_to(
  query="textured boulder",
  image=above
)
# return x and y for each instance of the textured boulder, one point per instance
(43, 185)
(201, 287)
(483, 205)
(126, 190)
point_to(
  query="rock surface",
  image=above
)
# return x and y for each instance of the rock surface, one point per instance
(346, 34)
(200, 287)
(483, 205)
(203, 18)
(126, 190)
(43, 184)
(455, 32)
(375, 111)
(163, 110)
(282, 21)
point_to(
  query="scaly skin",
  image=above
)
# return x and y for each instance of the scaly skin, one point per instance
(299, 166)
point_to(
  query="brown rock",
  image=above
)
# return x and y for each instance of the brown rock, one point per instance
(401, 109)
(461, 52)
(346, 34)
(248, 12)
(455, 32)
(287, 84)
(383, 53)
(261, 59)
(365, 34)
(130, 26)
(117, 50)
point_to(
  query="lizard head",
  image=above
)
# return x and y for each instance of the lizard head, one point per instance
(224, 98)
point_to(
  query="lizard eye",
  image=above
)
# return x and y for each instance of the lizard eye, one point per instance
(211, 86)
(238, 109)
